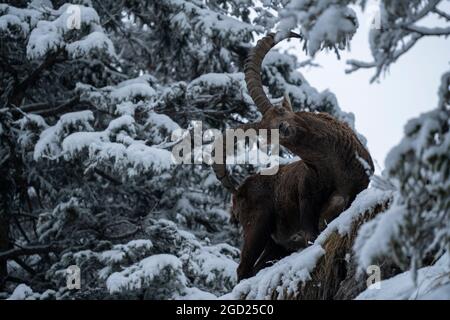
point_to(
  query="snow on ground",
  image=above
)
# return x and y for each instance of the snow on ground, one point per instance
(285, 275)
(289, 271)
(433, 283)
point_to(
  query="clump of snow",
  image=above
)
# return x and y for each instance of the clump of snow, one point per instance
(24, 18)
(126, 108)
(144, 158)
(8, 21)
(324, 24)
(121, 98)
(93, 41)
(212, 269)
(334, 26)
(21, 292)
(136, 157)
(51, 35)
(32, 119)
(116, 143)
(45, 37)
(120, 251)
(206, 21)
(24, 292)
(77, 141)
(48, 143)
(120, 123)
(140, 275)
(133, 90)
(214, 82)
(161, 120)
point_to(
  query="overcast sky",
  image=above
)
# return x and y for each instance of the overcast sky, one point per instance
(382, 109)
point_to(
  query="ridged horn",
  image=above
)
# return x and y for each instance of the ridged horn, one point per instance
(224, 177)
(252, 72)
(252, 68)
(221, 171)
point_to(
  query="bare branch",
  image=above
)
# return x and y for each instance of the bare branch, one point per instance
(125, 234)
(59, 109)
(29, 250)
(422, 13)
(24, 266)
(106, 176)
(424, 31)
(356, 65)
(441, 13)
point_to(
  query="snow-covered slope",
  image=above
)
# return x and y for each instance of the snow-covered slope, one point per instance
(283, 278)
(433, 283)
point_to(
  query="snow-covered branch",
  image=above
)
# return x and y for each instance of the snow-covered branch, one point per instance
(424, 31)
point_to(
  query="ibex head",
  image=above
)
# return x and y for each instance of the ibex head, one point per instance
(306, 134)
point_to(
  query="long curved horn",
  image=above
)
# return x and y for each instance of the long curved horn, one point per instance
(252, 72)
(220, 170)
(224, 177)
(252, 69)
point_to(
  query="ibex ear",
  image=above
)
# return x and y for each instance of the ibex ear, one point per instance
(286, 104)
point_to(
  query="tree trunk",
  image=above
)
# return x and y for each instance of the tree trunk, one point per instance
(4, 243)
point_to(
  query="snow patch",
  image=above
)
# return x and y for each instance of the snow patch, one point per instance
(433, 283)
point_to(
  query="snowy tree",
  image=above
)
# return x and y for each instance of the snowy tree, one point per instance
(399, 26)
(91, 93)
(415, 230)
(323, 24)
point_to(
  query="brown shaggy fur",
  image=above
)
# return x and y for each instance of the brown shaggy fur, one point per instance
(282, 213)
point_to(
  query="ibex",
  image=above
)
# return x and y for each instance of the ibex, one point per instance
(281, 213)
